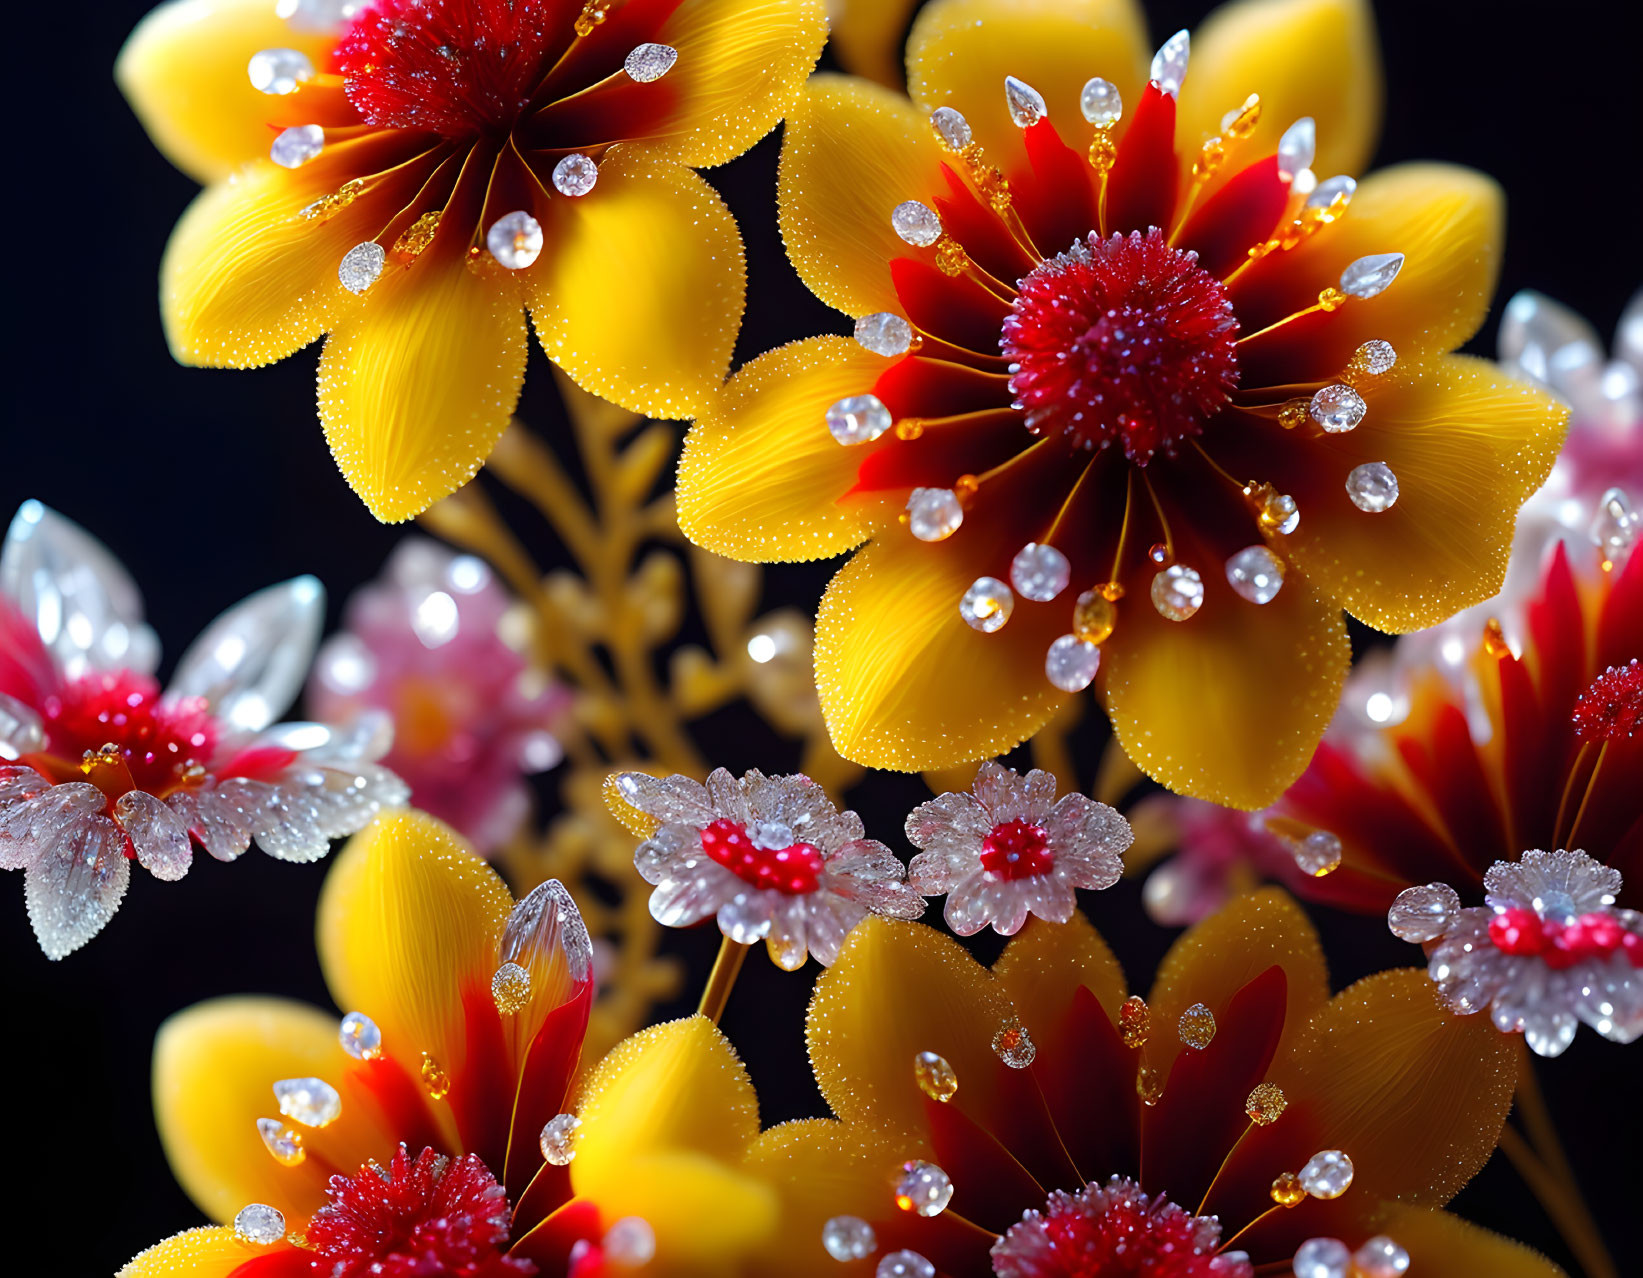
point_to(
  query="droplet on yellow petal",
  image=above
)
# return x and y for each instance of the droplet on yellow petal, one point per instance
(1045, 963)
(408, 921)
(641, 296)
(960, 51)
(1317, 58)
(1446, 1244)
(211, 1251)
(183, 69)
(1414, 1095)
(761, 477)
(416, 387)
(851, 153)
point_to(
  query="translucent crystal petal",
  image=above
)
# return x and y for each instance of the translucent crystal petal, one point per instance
(1025, 103)
(35, 814)
(84, 605)
(250, 663)
(1370, 275)
(648, 62)
(675, 798)
(1100, 102)
(1169, 64)
(745, 917)
(226, 814)
(21, 730)
(73, 889)
(158, 835)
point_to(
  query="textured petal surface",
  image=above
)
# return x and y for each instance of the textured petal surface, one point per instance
(761, 477)
(1304, 57)
(1441, 1245)
(208, 1252)
(184, 72)
(851, 153)
(641, 295)
(416, 388)
(867, 37)
(1046, 963)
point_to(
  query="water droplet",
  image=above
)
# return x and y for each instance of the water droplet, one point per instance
(259, 1224)
(904, 1264)
(360, 1037)
(1158, 552)
(1149, 1085)
(1327, 1174)
(933, 514)
(515, 240)
(310, 1101)
(849, 1238)
(1318, 854)
(510, 988)
(1373, 358)
(575, 175)
(279, 71)
(1025, 102)
(1337, 408)
(1094, 617)
(935, 1077)
(951, 127)
(295, 146)
(884, 333)
(1071, 663)
(1615, 526)
(1381, 1257)
(1039, 572)
(987, 604)
(558, 1139)
(1265, 1104)
(629, 1243)
(1372, 487)
(284, 1143)
(1287, 1189)
(1177, 592)
(916, 223)
(1277, 511)
(1197, 1027)
(1423, 914)
(1256, 574)
(1100, 102)
(923, 1188)
(1169, 64)
(361, 266)
(1370, 275)
(1297, 147)
(435, 1081)
(1013, 1045)
(650, 62)
(1240, 122)
(1330, 197)
(858, 419)
(1134, 1020)
(1323, 1258)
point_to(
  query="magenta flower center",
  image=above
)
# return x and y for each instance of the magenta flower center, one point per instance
(423, 1217)
(1124, 341)
(113, 730)
(1561, 944)
(767, 857)
(1016, 850)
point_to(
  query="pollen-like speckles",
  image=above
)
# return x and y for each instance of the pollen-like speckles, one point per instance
(1610, 709)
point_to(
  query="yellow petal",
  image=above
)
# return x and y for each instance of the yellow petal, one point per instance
(898, 989)
(408, 922)
(1415, 1095)
(184, 72)
(761, 477)
(1043, 966)
(1468, 446)
(905, 683)
(211, 1251)
(1304, 57)
(215, 1066)
(741, 64)
(667, 1118)
(417, 386)
(851, 152)
(640, 295)
(1228, 705)
(867, 37)
(1444, 1246)
(1216, 958)
(960, 51)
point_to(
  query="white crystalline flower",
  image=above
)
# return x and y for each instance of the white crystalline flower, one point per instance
(771, 857)
(1008, 847)
(99, 767)
(1549, 950)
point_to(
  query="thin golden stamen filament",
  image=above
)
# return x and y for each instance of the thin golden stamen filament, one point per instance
(1123, 527)
(1067, 502)
(1251, 1225)
(1163, 523)
(1277, 324)
(1591, 785)
(1568, 793)
(1216, 466)
(415, 202)
(722, 979)
(1216, 1179)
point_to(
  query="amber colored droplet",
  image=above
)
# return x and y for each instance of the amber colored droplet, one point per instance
(416, 238)
(434, 1078)
(1103, 150)
(1134, 1019)
(1197, 1027)
(1158, 552)
(1287, 1189)
(909, 428)
(1249, 115)
(951, 257)
(1331, 299)
(1149, 1085)
(1293, 414)
(337, 200)
(935, 1077)
(1494, 640)
(1112, 591)
(965, 487)
(1094, 617)
(1266, 1102)
(1210, 158)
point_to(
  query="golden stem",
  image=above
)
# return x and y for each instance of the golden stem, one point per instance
(722, 978)
(1591, 785)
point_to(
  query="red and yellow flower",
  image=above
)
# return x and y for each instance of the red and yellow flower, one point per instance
(411, 176)
(434, 1129)
(1169, 455)
(1010, 1122)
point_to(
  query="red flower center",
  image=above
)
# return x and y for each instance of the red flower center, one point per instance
(1561, 945)
(1610, 709)
(423, 1217)
(455, 67)
(1121, 340)
(1016, 850)
(153, 742)
(767, 857)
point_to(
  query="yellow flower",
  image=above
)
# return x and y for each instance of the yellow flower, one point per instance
(443, 1100)
(1135, 398)
(973, 1106)
(410, 180)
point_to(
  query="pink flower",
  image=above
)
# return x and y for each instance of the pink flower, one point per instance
(771, 857)
(1008, 847)
(424, 645)
(104, 768)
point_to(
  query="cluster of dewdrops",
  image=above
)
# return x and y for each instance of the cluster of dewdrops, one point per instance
(514, 240)
(1040, 572)
(923, 1188)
